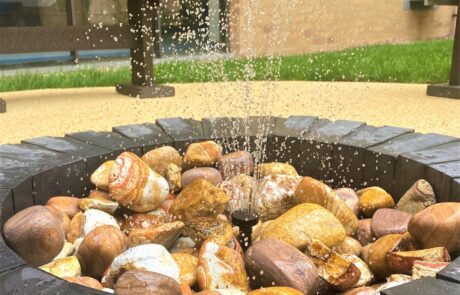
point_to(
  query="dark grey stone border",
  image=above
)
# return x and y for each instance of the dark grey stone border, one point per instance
(341, 153)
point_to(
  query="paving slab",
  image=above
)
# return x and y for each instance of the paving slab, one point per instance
(381, 160)
(424, 286)
(411, 166)
(451, 272)
(108, 140)
(182, 131)
(284, 143)
(227, 131)
(29, 280)
(441, 176)
(148, 135)
(348, 154)
(57, 173)
(318, 144)
(9, 259)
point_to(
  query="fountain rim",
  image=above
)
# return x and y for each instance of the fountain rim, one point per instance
(179, 132)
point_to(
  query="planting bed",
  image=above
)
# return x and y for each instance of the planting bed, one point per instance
(339, 153)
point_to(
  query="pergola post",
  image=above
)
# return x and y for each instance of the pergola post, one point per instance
(451, 89)
(2, 106)
(143, 18)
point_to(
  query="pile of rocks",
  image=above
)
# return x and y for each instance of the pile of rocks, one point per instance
(161, 224)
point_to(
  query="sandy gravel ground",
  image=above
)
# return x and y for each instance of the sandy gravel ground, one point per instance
(59, 111)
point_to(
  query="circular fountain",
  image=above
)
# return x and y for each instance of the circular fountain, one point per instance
(340, 153)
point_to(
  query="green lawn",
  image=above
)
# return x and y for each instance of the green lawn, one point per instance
(420, 62)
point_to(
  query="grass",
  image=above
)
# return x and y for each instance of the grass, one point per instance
(419, 62)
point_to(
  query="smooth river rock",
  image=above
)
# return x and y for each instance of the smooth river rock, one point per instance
(387, 221)
(208, 173)
(220, 267)
(373, 198)
(199, 199)
(314, 191)
(438, 226)
(272, 262)
(304, 222)
(142, 282)
(235, 163)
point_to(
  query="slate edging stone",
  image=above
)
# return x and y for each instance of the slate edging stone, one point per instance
(334, 151)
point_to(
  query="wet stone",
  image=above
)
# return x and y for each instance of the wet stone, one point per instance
(109, 140)
(148, 135)
(387, 221)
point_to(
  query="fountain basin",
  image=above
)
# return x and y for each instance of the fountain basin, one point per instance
(341, 153)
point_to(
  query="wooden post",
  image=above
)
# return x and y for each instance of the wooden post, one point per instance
(2, 106)
(455, 70)
(71, 21)
(142, 15)
(451, 89)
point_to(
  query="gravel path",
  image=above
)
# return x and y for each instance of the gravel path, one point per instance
(59, 111)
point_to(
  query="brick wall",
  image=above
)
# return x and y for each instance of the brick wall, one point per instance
(262, 27)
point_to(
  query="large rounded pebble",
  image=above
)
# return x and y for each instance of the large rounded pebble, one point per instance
(202, 154)
(188, 267)
(208, 173)
(158, 159)
(141, 282)
(350, 197)
(438, 226)
(274, 195)
(387, 221)
(99, 248)
(314, 191)
(272, 262)
(276, 291)
(135, 186)
(221, 267)
(417, 198)
(35, 234)
(373, 198)
(200, 198)
(364, 234)
(235, 163)
(100, 177)
(68, 205)
(307, 221)
(275, 168)
(150, 257)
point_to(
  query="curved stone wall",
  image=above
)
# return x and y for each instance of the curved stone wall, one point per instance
(341, 153)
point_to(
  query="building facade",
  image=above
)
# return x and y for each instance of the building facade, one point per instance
(247, 27)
